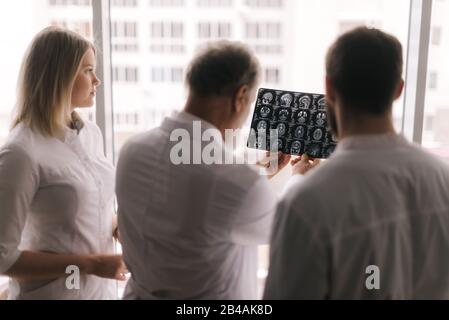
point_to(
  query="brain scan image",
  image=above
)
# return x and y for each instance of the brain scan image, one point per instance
(262, 125)
(264, 111)
(283, 115)
(295, 148)
(267, 98)
(317, 134)
(286, 100)
(320, 119)
(302, 116)
(296, 122)
(304, 102)
(282, 129)
(280, 144)
(314, 150)
(322, 104)
(300, 132)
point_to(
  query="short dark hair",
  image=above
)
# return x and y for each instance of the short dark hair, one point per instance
(365, 67)
(221, 67)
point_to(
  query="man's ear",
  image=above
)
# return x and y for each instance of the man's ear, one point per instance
(399, 90)
(330, 92)
(240, 98)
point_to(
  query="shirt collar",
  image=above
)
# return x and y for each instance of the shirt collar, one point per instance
(185, 120)
(371, 141)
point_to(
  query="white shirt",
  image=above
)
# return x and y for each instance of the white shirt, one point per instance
(379, 201)
(56, 197)
(189, 231)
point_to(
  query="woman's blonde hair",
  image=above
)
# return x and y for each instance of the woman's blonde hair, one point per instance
(46, 79)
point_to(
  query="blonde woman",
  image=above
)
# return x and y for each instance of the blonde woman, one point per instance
(56, 187)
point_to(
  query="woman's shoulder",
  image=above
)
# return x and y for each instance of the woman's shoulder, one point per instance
(21, 137)
(20, 143)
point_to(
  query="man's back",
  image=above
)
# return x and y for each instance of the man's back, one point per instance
(189, 231)
(379, 201)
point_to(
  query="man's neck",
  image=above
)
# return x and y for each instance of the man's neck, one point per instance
(365, 125)
(210, 110)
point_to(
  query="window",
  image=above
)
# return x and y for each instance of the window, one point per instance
(263, 30)
(436, 35)
(65, 3)
(214, 30)
(125, 3)
(272, 75)
(169, 74)
(265, 3)
(125, 74)
(163, 29)
(166, 3)
(347, 25)
(214, 3)
(121, 29)
(436, 111)
(124, 36)
(166, 37)
(433, 80)
(82, 27)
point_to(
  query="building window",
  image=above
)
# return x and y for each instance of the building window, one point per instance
(214, 30)
(125, 74)
(272, 75)
(166, 3)
(215, 3)
(436, 35)
(263, 30)
(264, 3)
(126, 119)
(347, 25)
(69, 3)
(124, 3)
(122, 29)
(433, 80)
(167, 74)
(173, 30)
(124, 36)
(84, 28)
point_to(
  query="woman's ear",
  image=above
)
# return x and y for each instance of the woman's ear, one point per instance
(240, 99)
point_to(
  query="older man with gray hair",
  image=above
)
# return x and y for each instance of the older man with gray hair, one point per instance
(190, 230)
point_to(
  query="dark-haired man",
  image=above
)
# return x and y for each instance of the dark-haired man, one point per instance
(373, 222)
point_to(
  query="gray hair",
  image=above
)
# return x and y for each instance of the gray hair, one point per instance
(221, 67)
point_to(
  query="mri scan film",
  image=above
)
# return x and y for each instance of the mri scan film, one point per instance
(300, 120)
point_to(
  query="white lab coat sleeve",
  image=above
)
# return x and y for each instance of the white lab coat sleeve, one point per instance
(292, 181)
(254, 219)
(298, 259)
(18, 184)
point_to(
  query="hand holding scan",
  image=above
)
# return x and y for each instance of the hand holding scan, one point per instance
(303, 164)
(269, 163)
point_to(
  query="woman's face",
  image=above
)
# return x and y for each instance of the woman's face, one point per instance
(86, 82)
